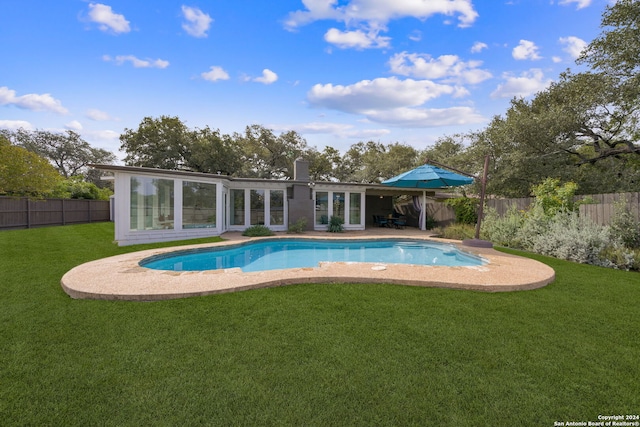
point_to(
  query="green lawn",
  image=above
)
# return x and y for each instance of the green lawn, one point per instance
(320, 355)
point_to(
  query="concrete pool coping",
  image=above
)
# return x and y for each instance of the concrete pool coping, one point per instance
(121, 277)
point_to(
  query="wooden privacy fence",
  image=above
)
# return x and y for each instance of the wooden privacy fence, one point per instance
(601, 211)
(25, 213)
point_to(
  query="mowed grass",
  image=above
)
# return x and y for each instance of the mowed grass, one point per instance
(316, 355)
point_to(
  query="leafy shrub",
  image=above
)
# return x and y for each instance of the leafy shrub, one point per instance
(457, 231)
(77, 188)
(553, 226)
(620, 257)
(553, 197)
(624, 225)
(503, 231)
(335, 224)
(572, 237)
(431, 223)
(299, 226)
(257, 231)
(465, 209)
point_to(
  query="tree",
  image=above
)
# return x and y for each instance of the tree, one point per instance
(323, 166)
(268, 156)
(68, 152)
(211, 152)
(163, 143)
(77, 188)
(616, 51)
(569, 131)
(23, 173)
(373, 162)
(583, 128)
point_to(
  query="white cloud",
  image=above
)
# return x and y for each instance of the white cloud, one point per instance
(74, 125)
(356, 39)
(427, 117)
(31, 101)
(102, 135)
(267, 77)
(444, 67)
(573, 45)
(97, 115)
(15, 124)
(214, 74)
(339, 130)
(478, 47)
(198, 22)
(136, 62)
(416, 35)
(580, 3)
(376, 12)
(107, 20)
(378, 94)
(526, 50)
(528, 83)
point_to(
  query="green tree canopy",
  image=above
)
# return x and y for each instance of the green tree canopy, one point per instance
(68, 152)
(163, 143)
(212, 152)
(23, 173)
(265, 155)
(616, 51)
(77, 188)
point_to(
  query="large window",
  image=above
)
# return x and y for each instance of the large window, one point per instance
(338, 205)
(237, 207)
(355, 208)
(322, 207)
(341, 204)
(198, 205)
(257, 207)
(276, 207)
(151, 203)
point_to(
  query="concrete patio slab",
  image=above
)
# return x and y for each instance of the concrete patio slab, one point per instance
(121, 277)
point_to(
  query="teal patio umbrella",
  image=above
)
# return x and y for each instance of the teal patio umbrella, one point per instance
(428, 176)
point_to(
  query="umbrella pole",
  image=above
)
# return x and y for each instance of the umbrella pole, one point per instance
(423, 211)
(483, 185)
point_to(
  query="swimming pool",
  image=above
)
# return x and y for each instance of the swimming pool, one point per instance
(277, 254)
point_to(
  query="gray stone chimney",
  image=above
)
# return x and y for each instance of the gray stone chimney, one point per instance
(301, 170)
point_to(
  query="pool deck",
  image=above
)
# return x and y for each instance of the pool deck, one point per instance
(121, 278)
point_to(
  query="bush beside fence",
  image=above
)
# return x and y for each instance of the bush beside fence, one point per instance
(25, 213)
(600, 209)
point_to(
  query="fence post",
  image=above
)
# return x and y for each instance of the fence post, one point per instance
(28, 213)
(89, 203)
(63, 217)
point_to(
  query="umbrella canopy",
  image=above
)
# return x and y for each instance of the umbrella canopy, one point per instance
(428, 176)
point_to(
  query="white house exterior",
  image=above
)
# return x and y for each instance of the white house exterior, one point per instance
(154, 205)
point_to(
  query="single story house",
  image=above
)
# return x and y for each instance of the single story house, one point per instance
(154, 205)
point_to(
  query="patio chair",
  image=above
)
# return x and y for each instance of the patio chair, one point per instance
(380, 221)
(400, 222)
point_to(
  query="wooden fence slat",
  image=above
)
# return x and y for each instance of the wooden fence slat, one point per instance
(24, 213)
(601, 212)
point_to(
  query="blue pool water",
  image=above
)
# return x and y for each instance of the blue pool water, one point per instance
(276, 254)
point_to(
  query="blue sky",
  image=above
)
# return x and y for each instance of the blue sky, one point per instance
(335, 71)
